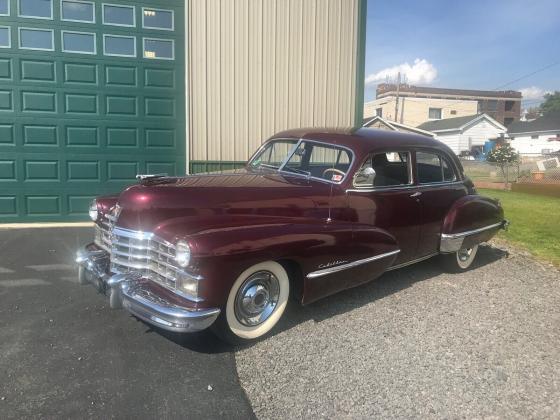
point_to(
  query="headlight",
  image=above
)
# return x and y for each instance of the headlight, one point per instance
(93, 210)
(182, 254)
(187, 285)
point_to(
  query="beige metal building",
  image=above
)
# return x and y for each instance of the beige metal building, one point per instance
(255, 67)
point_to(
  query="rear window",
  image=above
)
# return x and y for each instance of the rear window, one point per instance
(432, 168)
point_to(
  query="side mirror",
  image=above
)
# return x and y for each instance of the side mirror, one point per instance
(365, 176)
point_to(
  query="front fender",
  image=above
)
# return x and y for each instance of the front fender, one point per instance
(326, 249)
(471, 220)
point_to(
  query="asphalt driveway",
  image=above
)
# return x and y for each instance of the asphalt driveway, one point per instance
(65, 354)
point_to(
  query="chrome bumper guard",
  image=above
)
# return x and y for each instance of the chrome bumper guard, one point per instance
(129, 291)
(453, 242)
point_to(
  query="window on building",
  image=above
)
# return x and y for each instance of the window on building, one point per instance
(36, 39)
(434, 113)
(78, 42)
(535, 137)
(157, 19)
(162, 49)
(508, 121)
(118, 15)
(480, 107)
(77, 11)
(4, 7)
(492, 105)
(5, 38)
(40, 9)
(384, 170)
(121, 46)
(453, 112)
(432, 167)
(379, 112)
(509, 105)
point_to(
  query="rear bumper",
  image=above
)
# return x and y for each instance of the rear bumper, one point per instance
(131, 292)
(453, 242)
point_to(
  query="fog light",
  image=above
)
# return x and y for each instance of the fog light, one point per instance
(182, 254)
(188, 286)
(93, 211)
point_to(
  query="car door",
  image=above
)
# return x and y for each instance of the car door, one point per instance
(438, 188)
(385, 199)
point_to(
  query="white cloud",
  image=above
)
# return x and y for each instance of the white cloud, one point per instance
(532, 93)
(421, 72)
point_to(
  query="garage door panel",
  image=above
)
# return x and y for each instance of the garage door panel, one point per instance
(120, 76)
(5, 69)
(37, 71)
(80, 73)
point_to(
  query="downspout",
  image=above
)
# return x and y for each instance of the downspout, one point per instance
(360, 62)
(187, 84)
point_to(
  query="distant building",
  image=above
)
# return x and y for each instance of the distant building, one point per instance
(383, 124)
(466, 134)
(430, 103)
(537, 137)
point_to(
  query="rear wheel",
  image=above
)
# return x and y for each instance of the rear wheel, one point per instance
(461, 260)
(256, 302)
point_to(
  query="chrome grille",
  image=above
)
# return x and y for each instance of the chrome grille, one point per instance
(143, 253)
(103, 235)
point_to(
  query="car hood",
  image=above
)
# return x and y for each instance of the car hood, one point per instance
(181, 206)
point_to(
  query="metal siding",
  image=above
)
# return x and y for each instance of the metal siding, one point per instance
(281, 64)
(74, 126)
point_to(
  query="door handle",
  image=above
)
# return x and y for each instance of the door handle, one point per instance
(416, 194)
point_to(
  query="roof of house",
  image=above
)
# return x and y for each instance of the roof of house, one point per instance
(457, 123)
(548, 122)
(395, 126)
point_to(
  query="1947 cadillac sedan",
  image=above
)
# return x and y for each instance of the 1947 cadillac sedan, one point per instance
(313, 212)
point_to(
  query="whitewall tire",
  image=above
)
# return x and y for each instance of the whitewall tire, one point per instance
(461, 260)
(256, 302)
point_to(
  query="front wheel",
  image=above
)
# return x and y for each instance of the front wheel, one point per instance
(256, 302)
(461, 260)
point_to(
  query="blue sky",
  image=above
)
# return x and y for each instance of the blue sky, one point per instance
(472, 44)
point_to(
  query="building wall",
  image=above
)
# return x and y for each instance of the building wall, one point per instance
(257, 67)
(415, 111)
(526, 145)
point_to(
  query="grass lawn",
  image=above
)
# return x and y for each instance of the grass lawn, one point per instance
(535, 222)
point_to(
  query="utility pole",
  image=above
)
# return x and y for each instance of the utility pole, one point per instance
(397, 100)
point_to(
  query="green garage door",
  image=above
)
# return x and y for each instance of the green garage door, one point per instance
(91, 94)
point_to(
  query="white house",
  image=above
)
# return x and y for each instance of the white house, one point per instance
(537, 137)
(465, 133)
(384, 124)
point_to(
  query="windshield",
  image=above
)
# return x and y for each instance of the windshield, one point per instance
(330, 163)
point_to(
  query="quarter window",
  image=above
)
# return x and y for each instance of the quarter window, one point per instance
(5, 41)
(36, 39)
(384, 170)
(77, 11)
(433, 168)
(162, 49)
(157, 19)
(4, 7)
(123, 46)
(40, 9)
(118, 15)
(78, 42)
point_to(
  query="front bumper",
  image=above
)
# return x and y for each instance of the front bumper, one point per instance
(133, 293)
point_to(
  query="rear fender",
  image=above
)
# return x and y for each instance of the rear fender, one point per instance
(471, 220)
(324, 252)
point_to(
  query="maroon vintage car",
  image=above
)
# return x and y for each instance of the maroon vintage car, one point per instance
(314, 211)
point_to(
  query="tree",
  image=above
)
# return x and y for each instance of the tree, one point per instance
(503, 156)
(551, 102)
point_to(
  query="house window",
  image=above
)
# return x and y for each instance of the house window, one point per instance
(434, 114)
(77, 11)
(39, 9)
(535, 137)
(384, 170)
(379, 112)
(36, 39)
(162, 49)
(480, 107)
(120, 46)
(432, 168)
(118, 15)
(5, 38)
(157, 19)
(78, 42)
(509, 105)
(492, 105)
(4, 7)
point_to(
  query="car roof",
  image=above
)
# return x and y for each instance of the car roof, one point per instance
(364, 140)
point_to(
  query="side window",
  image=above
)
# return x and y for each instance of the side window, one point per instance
(384, 170)
(432, 167)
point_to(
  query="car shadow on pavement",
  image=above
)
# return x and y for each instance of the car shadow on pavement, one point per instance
(345, 301)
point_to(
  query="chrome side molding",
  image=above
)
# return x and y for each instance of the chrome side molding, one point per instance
(330, 270)
(452, 242)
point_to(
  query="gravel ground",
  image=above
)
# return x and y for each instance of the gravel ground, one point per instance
(418, 343)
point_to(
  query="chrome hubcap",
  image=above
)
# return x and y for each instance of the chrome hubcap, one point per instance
(257, 298)
(464, 254)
